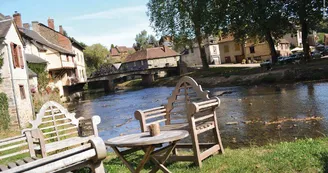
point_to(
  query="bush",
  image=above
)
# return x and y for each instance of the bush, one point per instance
(4, 113)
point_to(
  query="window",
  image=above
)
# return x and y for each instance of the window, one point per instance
(17, 56)
(226, 48)
(141, 62)
(252, 49)
(22, 92)
(237, 47)
(67, 58)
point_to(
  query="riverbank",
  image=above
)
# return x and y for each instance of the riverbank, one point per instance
(310, 155)
(316, 70)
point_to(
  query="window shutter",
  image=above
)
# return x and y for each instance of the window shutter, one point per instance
(13, 54)
(21, 59)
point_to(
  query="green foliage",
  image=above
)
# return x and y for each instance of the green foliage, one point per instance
(144, 41)
(40, 70)
(112, 46)
(190, 18)
(95, 55)
(321, 37)
(4, 113)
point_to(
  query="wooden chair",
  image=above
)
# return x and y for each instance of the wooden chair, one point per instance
(60, 128)
(193, 111)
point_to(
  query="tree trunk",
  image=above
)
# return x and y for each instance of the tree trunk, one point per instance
(305, 42)
(201, 50)
(273, 51)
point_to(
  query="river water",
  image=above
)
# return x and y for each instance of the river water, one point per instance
(253, 108)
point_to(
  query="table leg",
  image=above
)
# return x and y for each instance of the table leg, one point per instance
(145, 159)
(119, 154)
(160, 164)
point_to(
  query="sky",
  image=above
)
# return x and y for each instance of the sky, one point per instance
(90, 21)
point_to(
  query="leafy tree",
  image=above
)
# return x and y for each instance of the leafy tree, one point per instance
(95, 55)
(190, 18)
(307, 14)
(266, 20)
(152, 41)
(112, 46)
(141, 40)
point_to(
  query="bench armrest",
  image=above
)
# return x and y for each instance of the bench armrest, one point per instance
(87, 125)
(202, 106)
(158, 113)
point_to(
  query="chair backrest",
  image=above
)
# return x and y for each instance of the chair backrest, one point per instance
(186, 91)
(55, 122)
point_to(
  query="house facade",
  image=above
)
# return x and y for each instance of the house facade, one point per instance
(283, 47)
(119, 53)
(158, 57)
(65, 59)
(14, 74)
(257, 51)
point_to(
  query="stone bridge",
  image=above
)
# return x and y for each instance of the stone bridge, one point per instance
(108, 80)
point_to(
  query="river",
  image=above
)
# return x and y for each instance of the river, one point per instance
(253, 108)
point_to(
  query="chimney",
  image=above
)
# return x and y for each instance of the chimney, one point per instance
(26, 26)
(164, 48)
(18, 19)
(51, 23)
(35, 26)
(61, 30)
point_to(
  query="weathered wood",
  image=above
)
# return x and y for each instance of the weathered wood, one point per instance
(154, 130)
(155, 122)
(156, 116)
(13, 146)
(188, 98)
(19, 139)
(3, 167)
(14, 154)
(142, 139)
(145, 159)
(20, 162)
(11, 165)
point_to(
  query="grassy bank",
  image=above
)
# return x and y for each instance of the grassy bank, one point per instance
(230, 76)
(301, 156)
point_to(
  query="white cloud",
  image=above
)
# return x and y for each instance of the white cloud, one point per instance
(123, 37)
(112, 13)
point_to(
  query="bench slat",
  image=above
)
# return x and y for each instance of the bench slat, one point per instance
(22, 138)
(155, 116)
(50, 121)
(155, 122)
(11, 165)
(51, 158)
(20, 162)
(61, 130)
(64, 124)
(204, 117)
(3, 167)
(28, 159)
(13, 146)
(50, 116)
(14, 154)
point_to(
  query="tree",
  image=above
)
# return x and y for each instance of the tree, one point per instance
(152, 41)
(267, 20)
(307, 14)
(65, 33)
(141, 40)
(191, 18)
(112, 46)
(95, 55)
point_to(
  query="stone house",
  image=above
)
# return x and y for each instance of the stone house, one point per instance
(158, 57)
(66, 66)
(14, 73)
(119, 53)
(283, 47)
(257, 51)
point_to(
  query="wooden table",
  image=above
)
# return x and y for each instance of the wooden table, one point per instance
(147, 143)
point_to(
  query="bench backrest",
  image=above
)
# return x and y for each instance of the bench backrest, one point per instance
(186, 91)
(55, 122)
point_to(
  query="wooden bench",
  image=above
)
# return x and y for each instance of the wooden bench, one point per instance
(194, 111)
(90, 155)
(71, 143)
(60, 128)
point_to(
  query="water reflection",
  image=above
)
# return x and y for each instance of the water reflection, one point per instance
(256, 104)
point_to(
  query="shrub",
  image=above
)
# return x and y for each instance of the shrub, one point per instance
(4, 113)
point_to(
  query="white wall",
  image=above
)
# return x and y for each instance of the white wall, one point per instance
(80, 64)
(162, 62)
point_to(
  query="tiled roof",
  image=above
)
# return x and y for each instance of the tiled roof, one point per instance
(4, 27)
(283, 41)
(30, 58)
(39, 39)
(114, 52)
(151, 53)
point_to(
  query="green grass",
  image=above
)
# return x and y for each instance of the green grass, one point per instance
(300, 156)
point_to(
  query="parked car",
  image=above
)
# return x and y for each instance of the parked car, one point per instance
(282, 59)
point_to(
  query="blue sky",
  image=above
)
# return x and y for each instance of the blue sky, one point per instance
(91, 21)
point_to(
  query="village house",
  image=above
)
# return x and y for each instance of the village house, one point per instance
(157, 57)
(226, 50)
(65, 60)
(14, 74)
(119, 53)
(283, 47)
